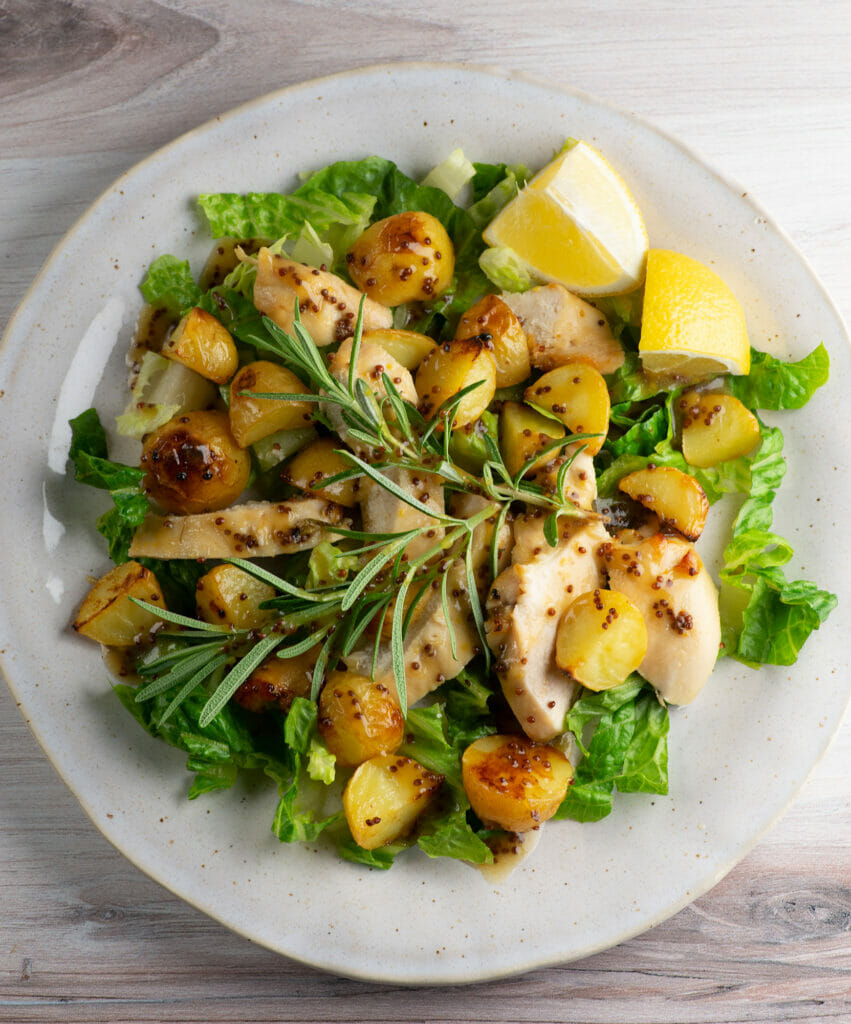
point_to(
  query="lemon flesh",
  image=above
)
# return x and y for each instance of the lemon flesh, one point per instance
(692, 324)
(576, 224)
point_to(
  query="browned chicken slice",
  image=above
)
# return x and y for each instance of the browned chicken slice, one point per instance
(383, 512)
(560, 328)
(580, 484)
(525, 605)
(666, 580)
(327, 305)
(429, 659)
(255, 529)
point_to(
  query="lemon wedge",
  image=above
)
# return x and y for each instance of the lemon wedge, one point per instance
(577, 224)
(692, 324)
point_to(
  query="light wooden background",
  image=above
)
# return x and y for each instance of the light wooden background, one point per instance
(87, 88)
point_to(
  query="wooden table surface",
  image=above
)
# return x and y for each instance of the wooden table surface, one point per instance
(89, 87)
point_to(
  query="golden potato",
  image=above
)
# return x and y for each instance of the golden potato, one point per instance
(358, 718)
(309, 467)
(524, 432)
(408, 257)
(513, 782)
(408, 348)
(108, 616)
(254, 418)
(230, 596)
(716, 427)
(677, 498)
(492, 320)
(601, 639)
(202, 344)
(578, 395)
(194, 464)
(278, 681)
(450, 368)
(384, 798)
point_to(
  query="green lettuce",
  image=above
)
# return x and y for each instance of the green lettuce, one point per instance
(774, 384)
(92, 466)
(627, 750)
(169, 284)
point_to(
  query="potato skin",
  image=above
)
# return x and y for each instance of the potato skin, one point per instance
(578, 395)
(492, 319)
(601, 639)
(230, 596)
(716, 427)
(194, 464)
(204, 345)
(450, 368)
(385, 796)
(407, 347)
(513, 782)
(108, 616)
(313, 464)
(403, 258)
(676, 497)
(358, 718)
(524, 432)
(254, 418)
(277, 681)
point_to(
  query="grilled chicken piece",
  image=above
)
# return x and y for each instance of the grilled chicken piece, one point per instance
(525, 605)
(429, 660)
(328, 306)
(560, 327)
(580, 483)
(383, 512)
(466, 505)
(666, 580)
(255, 529)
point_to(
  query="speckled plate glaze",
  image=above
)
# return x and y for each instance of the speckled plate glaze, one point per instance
(738, 755)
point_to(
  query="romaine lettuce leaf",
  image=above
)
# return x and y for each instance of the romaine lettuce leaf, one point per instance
(774, 384)
(89, 456)
(169, 283)
(451, 174)
(503, 268)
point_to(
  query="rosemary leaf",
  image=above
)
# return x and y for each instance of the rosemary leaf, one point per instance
(237, 676)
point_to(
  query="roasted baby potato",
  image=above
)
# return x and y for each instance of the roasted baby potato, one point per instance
(513, 782)
(578, 395)
(108, 616)
(524, 432)
(451, 367)
(677, 498)
(230, 596)
(358, 718)
(313, 464)
(194, 464)
(254, 418)
(384, 798)
(277, 681)
(601, 639)
(403, 258)
(204, 345)
(491, 319)
(715, 428)
(407, 347)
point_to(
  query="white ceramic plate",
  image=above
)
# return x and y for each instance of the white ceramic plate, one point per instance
(738, 755)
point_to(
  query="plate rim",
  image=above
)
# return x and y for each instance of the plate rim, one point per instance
(427, 977)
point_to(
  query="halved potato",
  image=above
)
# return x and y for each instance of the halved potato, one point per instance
(601, 639)
(493, 320)
(313, 464)
(450, 368)
(716, 427)
(278, 681)
(229, 596)
(513, 782)
(253, 418)
(578, 395)
(524, 432)
(358, 718)
(204, 345)
(108, 616)
(384, 798)
(676, 497)
(407, 347)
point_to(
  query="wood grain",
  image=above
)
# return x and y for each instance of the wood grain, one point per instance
(86, 89)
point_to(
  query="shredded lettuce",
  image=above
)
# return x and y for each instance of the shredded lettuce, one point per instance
(92, 466)
(169, 284)
(451, 174)
(503, 268)
(162, 389)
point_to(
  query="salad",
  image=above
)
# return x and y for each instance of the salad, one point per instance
(413, 526)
